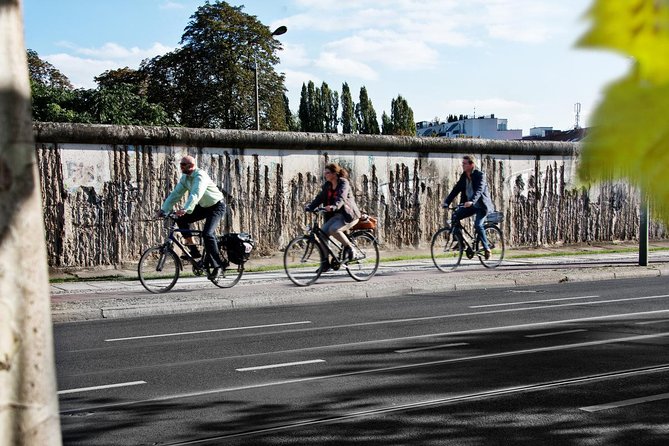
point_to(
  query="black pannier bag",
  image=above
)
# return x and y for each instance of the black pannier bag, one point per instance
(237, 246)
(495, 217)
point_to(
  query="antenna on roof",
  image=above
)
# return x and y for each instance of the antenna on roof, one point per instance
(577, 110)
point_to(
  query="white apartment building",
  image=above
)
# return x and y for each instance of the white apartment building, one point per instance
(484, 127)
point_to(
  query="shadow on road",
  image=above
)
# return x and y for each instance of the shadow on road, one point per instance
(463, 409)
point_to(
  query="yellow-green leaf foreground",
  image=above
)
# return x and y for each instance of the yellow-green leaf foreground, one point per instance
(629, 137)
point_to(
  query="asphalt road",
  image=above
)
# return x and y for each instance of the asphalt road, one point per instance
(563, 364)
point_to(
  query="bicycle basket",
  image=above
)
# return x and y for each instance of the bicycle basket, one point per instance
(365, 222)
(238, 246)
(495, 217)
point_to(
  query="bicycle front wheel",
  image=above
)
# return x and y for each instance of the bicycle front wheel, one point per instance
(496, 245)
(303, 260)
(446, 250)
(364, 267)
(158, 269)
(229, 276)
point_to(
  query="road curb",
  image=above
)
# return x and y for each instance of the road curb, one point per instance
(257, 294)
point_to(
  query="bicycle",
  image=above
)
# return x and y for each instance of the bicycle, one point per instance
(307, 256)
(450, 243)
(160, 266)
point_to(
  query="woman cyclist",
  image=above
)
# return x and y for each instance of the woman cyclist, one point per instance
(342, 213)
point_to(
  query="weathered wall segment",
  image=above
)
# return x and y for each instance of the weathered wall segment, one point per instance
(101, 185)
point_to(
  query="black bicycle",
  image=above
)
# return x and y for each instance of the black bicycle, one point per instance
(160, 266)
(450, 243)
(307, 256)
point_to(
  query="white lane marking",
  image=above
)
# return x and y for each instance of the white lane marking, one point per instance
(377, 370)
(652, 322)
(382, 341)
(532, 302)
(433, 347)
(398, 321)
(185, 333)
(555, 333)
(276, 366)
(623, 403)
(108, 386)
(505, 391)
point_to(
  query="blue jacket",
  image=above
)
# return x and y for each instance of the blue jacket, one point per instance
(481, 196)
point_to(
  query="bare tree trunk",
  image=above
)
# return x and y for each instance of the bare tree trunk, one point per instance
(28, 400)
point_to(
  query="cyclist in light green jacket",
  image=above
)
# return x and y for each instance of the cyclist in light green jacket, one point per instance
(203, 202)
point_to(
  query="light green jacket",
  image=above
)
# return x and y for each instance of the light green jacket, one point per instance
(201, 190)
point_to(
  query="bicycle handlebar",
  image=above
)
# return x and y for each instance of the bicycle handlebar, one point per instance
(318, 210)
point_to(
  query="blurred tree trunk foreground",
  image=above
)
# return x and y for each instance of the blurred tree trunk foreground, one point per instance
(28, 400)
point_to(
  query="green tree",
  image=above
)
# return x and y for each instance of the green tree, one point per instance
(401, 116)
(292, 121)
(120, 104)
(210, 80)
(43, 73)
(54, 99)
(366, 115)
(348, 122)
(386, 124)
(329, 105)
(305, 110)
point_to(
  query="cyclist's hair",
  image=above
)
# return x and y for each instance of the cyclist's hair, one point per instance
(470, 158)
(337, 169)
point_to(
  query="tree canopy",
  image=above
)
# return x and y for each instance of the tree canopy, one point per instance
(210, 80)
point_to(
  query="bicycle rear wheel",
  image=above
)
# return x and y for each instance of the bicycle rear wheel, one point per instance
(365, 267)
(496, 245)
(303, 260)
(229, 276)
(446, 250)
(158, 269)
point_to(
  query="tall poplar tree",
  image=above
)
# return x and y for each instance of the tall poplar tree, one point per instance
(348, 122)
(401, 117)
(386, 124)
(366, 115)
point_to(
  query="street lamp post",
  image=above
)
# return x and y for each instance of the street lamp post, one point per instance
(277, 32)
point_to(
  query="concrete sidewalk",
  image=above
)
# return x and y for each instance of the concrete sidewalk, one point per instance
(93, 297)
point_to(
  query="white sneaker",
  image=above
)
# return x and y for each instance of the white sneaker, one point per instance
(357, 255)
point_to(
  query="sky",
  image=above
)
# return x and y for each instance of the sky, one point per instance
(515, 59)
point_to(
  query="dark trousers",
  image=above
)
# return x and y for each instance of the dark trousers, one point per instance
(212, 217)
(463, 212)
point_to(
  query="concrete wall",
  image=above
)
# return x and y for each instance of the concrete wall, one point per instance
(101, 185)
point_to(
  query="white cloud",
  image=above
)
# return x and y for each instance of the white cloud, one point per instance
(295, 79)
(294, 55)
(526, 21)
(111, 50)
(406, 35)
(333, 63)
(172, 5)
(387, 48)
(81, 70)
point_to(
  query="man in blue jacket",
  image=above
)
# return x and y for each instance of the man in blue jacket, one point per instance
(204, 201)
(475, 198)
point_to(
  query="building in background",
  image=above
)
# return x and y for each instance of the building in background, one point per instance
(548, 134)
(483, 127)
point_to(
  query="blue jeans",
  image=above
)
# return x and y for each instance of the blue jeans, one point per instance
(463, 212)
(212, 217)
